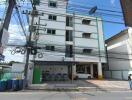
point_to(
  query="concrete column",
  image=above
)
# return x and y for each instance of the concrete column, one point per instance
(74, 70)
(85, 69)
(91, 68)
(100, 76)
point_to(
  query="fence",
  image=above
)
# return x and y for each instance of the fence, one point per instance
(112, 74)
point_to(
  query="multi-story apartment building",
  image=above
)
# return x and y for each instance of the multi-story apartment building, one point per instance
(72, 44)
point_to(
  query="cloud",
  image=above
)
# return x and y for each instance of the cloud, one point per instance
(9, 57)
(16, 37)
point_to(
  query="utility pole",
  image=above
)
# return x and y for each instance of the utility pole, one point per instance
(29, 46)
(7, 19)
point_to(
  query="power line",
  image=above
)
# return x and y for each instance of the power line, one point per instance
(83, 7)
(94, 4)
(89, 7)
(82, 16)
(78, 54)
(18, 14)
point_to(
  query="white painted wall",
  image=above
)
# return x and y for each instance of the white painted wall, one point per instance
(119, 45)
(59, 25)
(120, 64)
(17, 70)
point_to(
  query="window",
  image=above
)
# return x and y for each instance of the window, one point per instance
(86, 22)
(87, 51)
(86, 35)
(83, 69)
(69, 35)
(53, 4)
(50, 31)
(69, 51)
(52, 17)
(69, 21)
(51, 48)
(80, 69)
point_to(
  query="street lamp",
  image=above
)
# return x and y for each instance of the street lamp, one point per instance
(93, 10)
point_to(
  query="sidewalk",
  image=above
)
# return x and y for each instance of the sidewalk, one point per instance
(84, 85)
(110, 85)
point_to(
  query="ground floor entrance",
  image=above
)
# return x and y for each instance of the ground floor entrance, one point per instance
(44, 72)
(89, 71)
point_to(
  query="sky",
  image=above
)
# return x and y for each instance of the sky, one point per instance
(110, 29)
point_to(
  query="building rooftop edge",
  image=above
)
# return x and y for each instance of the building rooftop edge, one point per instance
(117, 35)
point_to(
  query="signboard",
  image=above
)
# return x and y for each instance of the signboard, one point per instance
(127, 11)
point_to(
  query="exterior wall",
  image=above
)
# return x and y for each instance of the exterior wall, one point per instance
(120, 56)
(121, 75)
(119, 46)
(55, 69)
(17, 70)
(95, 42)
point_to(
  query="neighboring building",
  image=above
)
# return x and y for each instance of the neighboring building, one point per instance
(15, 70)
(72, 44)
(119, 48)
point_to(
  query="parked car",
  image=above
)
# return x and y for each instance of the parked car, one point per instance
(84, 76)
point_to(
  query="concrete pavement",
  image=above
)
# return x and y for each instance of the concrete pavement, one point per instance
(66, 96)
(84, 85)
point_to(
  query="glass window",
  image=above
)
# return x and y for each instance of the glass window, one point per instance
(69, 21)
(53, 4)
(86, 35)
(83, 69)
(80, 69)
(52, 17)
(87, 51)
(69, 35)
(86, 21)
(50, 31)
(69, 51)
(51, 48)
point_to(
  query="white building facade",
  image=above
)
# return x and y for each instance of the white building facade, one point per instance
(119, 49)
(70, 44)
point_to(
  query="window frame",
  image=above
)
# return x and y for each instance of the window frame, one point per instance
(51, 17)
(88, 22)
(53, 31)
(69, 35)
(69, 21)
(85, 51)
(86, 35)
(50, 47)
(69, 51)
(51, 6)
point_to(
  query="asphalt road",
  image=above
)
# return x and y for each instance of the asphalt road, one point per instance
(66, 96)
